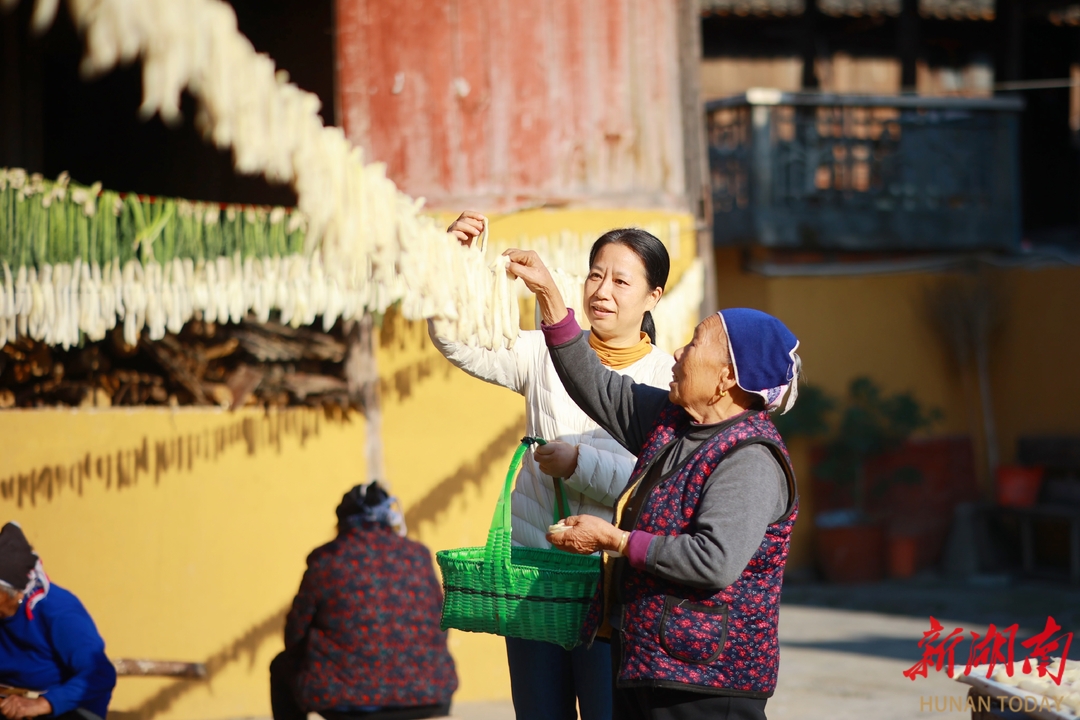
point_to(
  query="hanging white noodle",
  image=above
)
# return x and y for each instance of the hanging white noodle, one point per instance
(364, 236)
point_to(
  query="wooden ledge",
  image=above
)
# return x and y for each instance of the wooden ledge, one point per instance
(159, 668)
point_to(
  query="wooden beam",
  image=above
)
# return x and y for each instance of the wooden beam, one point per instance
(169, 354)
(303, 384)
(693, 114)
(1009, 24)
(695, 147)
(907, 43)
(811, 26)
(1074, 98)
(362, 381)
(159, 668)
(243, 382)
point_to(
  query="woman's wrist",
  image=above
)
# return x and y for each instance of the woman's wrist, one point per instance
(552, 306)
(616, 540)
(575, 451)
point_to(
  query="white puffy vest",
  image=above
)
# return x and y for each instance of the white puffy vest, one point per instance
(603, 466)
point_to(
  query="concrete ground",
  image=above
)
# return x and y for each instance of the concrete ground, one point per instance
(499, 710)
(835, 665)
(844, 649)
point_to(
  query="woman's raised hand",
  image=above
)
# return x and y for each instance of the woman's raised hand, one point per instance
(585, 534)
(469, 225)
(528, 266)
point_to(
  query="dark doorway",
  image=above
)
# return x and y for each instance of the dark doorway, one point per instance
(54, 121)
(1049, 156)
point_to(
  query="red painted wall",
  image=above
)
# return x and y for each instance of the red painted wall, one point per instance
(515, 102)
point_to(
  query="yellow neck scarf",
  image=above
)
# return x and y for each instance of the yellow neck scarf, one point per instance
(619, 358)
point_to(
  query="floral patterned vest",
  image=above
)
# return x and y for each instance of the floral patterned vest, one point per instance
(723, 642)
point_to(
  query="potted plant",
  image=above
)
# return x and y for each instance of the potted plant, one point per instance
(850, 538)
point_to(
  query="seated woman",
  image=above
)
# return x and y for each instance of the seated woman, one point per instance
(48, 642)
(362, 638)
(703, 529)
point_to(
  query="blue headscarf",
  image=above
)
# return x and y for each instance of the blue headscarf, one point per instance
(369, 502)
(763, 356)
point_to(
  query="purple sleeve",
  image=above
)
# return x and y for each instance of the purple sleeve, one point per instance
(625, 409)
(637, 548)
(563, 331)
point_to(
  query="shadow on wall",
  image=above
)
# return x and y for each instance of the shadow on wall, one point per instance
(247, 644)
(426, 509)
(400, 385)
(123, 468)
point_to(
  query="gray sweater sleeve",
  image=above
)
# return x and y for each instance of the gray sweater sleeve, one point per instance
(625, 409)
(746, 492)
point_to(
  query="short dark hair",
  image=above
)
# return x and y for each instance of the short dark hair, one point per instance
(359, 497)
(653, 255)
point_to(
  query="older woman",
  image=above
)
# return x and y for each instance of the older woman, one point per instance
(48, 642)
(691, 605)
(362, 638)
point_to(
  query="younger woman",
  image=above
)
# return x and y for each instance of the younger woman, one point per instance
(628, 269)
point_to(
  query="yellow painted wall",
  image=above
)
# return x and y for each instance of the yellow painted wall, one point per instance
(874, 325)
(192, 544)
(1036, 386)
(185, 531)
(186, 562)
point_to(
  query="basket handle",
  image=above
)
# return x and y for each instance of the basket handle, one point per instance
(498, 542)
(496, 564)
(497, 549)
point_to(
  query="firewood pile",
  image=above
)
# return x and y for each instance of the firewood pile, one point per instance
(228, 365)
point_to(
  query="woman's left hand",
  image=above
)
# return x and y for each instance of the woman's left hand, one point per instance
(557, 459)
(586, 535)
(528, 266)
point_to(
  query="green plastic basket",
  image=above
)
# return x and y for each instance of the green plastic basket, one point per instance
(530, 593)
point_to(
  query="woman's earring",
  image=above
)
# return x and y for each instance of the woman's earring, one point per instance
(723, 393)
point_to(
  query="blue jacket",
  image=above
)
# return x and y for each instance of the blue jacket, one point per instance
(59, 652)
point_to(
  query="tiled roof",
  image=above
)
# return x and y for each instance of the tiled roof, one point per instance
(752, 7)
(943, 9)
(839, 8)
(1069, 15)
(957, 9)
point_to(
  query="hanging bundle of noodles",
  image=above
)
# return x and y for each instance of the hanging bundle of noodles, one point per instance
(366, 245)
(80, 260)
(77, 261)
